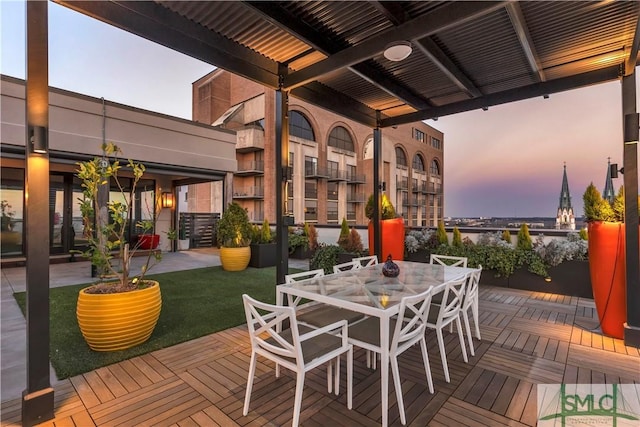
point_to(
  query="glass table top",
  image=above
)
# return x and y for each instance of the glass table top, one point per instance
(368, 286)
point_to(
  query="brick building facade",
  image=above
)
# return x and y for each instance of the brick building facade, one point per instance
(331, 157)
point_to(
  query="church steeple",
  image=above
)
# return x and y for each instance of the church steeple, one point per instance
(565, 218)
(608, 193)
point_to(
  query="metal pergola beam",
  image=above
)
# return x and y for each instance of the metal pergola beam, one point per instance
(439, 20)
(518, 94)
(522, 30)
(290, 23)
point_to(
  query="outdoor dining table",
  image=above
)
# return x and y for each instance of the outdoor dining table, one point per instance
(366, 290)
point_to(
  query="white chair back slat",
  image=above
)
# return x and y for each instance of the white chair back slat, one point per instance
(451, 261)
(366, 261)
(345, 266)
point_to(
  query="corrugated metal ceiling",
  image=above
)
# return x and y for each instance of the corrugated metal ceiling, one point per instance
(465, 54)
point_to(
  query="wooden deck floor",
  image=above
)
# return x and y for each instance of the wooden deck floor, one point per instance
(527, 338)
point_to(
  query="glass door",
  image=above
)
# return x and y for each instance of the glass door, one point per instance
(66, 229)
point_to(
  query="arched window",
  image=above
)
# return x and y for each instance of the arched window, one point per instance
(299, 126)
(418, 163)
(435, 168)
(401, 158)
(340, 138)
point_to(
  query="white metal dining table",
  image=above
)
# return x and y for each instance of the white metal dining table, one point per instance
(366, 290)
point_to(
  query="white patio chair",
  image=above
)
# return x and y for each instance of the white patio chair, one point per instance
(366, 261)
(451, 261)
(322, 315)
(345, 266)
(297, 348)
(447, 312)
(406, 332)
(470, 302)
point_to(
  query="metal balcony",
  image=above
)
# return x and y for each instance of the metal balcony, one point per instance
(248, 193)
(250, 168)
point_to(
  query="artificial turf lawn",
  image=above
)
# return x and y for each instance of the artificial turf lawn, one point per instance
(194, 303)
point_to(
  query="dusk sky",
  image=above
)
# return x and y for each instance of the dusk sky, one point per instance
(506, 161)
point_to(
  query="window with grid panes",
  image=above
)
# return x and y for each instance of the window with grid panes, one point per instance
(299, 126)
(436, 143)
(401, 158)
(310, 165)
(332, 169)
(418, 163)
(310, 210)
(435, 168)
(340, 138)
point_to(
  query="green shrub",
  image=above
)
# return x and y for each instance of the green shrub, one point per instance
(584, 234)
(595, 207)
(457, 237)
(234, 229)
(388, 211)
(325, 257)
(441, 234)
(524, 238)
(506, 236)
(343, 239)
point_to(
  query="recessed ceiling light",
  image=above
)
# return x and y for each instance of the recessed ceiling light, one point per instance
(397, 51)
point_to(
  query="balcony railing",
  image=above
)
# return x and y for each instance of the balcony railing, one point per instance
(432, 188)
(250, 168)
(337, 175)
(356, 198)
(353, 178)
(402, 185)
(248, 193)
(316, 172)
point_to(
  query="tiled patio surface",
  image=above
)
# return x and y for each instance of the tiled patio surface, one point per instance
(527, 338)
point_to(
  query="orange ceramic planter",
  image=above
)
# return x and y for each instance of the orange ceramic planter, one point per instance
(111, 322)
(392, 238)
(607, 269)
(235, 259)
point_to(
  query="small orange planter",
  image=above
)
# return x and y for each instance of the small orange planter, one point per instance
(392, 238)
(607, 269)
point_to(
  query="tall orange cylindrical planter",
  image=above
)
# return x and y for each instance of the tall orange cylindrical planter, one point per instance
(607, 269)
(392, 238)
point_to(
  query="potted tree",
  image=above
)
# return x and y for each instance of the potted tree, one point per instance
(607, 258)
(234, 236)
(391, 227)
(122, 309)
(263, 247)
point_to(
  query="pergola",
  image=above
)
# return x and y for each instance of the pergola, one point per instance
(463, 56)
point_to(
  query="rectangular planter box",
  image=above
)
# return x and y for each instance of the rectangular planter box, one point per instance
(568, 278)
(301, 253)
(421, 255)
(263, 255)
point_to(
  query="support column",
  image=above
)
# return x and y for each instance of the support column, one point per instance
(630, 162)
(377, 187)
(282, 172)
(37, 399)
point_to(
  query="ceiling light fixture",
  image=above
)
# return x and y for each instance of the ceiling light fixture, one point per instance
(397, 51)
